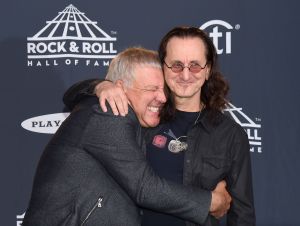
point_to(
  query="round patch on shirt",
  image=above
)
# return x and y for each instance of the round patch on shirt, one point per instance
(159, 141)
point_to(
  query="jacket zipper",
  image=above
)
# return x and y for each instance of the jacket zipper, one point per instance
(97, 205)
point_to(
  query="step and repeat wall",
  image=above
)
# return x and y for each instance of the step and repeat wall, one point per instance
(46, 46)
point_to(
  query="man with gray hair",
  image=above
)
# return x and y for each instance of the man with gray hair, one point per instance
(94, 171)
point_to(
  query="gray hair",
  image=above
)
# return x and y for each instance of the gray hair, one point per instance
(123, 65)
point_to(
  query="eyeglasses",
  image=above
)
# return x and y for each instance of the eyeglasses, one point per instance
(178, 67)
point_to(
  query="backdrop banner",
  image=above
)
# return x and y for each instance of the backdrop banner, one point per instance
(46, 46)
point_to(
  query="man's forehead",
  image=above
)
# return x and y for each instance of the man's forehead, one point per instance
(148, 76)
(142, 71)
(182, 49)
(177, 43)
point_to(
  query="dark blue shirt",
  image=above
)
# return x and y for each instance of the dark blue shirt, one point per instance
(167, 164)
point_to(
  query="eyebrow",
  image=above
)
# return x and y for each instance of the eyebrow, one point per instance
(191, 62)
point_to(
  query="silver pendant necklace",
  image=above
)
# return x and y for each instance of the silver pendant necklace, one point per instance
(175, 145)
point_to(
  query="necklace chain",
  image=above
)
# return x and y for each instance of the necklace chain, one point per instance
(175, 145)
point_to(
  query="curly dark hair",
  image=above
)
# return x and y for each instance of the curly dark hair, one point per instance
(214, 90)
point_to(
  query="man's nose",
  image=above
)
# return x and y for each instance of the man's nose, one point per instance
(185, 74)
(161, 96)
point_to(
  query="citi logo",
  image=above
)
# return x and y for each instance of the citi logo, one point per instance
(69, 37)
(45, 123)
(252, 129)
(220, 32)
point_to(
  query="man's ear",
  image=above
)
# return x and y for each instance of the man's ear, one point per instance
(207, 72)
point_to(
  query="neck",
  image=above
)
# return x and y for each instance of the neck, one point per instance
(188, 105)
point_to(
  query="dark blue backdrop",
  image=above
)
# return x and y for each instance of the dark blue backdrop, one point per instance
(43, 50)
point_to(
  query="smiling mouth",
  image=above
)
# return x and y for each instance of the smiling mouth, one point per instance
(184, 82)
(153, 109)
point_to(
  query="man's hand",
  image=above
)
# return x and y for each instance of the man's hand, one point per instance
(220, 202)
(114, 94)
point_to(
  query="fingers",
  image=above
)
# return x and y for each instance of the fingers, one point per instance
(102, 104)
(228, 198)
(221, 200)
(218, 214)
(98, 90)
(222, 210)
(116, 104)
(221, 186)
(114, 95)
(124, 101)
(121, 101)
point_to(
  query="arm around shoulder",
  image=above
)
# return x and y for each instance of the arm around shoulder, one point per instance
(78, 91)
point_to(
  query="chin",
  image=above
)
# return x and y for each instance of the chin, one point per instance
(153, 123)
(185, 93)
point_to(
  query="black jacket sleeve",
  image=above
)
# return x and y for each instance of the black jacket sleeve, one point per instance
(241, 212)
(79, 91)
(114, 143)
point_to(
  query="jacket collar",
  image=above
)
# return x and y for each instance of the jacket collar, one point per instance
(131, 114)
(209, 122)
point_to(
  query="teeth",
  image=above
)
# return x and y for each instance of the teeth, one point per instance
(153, 109)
